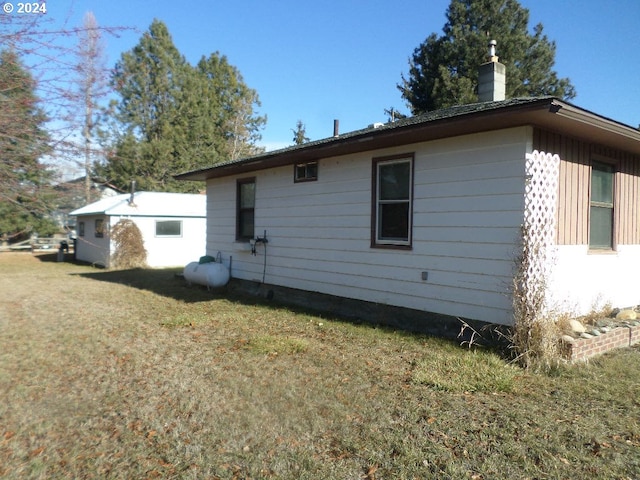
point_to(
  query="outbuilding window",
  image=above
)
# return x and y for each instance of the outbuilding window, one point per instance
(81, 229)
(601, 206)
(392, 212)
(99, 227)
(245, 207)
(168, 228)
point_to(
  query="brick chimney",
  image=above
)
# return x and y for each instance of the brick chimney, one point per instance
(491, 78)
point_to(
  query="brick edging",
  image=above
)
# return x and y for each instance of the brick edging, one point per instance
(584, 348)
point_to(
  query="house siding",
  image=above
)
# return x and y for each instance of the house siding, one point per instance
(581, 279)
(467, 211)
(90, 248)
(574, 184)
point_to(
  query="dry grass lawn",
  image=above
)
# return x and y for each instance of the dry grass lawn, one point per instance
(133, 374)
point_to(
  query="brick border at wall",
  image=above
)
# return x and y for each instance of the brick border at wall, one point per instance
(582, 349)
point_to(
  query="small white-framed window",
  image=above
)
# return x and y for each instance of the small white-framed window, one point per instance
(392, 209)
(81, 229)
(305, 172)
(168, 228)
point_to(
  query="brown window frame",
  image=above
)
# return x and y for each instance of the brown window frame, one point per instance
(377, 241)
(241, 211)
(307, 177)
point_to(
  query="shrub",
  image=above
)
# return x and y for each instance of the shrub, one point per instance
(535, 337)
(129, 251)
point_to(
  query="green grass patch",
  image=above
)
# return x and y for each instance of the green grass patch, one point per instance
(459, 370)
(274, 345)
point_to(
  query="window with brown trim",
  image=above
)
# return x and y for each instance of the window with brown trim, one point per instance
(305, 172)
(245, 208)
(601, 206)
(392, 203)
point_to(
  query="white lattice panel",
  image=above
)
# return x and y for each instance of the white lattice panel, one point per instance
(539, 229)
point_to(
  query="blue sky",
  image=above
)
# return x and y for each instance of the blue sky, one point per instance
(341, 59)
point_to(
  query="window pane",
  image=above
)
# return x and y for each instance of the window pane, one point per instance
(601, 227)
(394, 179)
(169, 228)
(393, 221)
(312, 170)
(99, 228)
(301, 171)
(602, 183)
(247, 195)
(246, 224)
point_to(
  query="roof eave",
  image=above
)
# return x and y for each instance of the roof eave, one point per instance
(550, 113)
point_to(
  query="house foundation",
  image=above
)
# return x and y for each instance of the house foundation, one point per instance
(359, 311)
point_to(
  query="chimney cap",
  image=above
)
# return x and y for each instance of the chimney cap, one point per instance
(492, 51)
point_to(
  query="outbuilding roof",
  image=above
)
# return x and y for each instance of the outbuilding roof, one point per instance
(148, 204)
(545, 112)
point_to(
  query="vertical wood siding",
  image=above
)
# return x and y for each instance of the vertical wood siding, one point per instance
(468, 209)
(574, 186)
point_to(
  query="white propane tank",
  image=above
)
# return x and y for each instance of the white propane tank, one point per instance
(210, 274)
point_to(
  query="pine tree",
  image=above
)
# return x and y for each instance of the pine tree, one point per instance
(175, 117)
(148, 79)
(24, 197)
(300, 133)
(443, 69)
(231, 103)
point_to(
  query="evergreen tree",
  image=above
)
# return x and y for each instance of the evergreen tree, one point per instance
(443, 70)
(300, 133)
(148, 79)
(175, 117)
(25, 198)
(229, 103)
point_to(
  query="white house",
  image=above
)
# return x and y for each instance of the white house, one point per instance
(427, 213)
(173, 227)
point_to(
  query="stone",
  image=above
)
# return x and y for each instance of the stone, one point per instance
(627, 314)
(568, 339)
(586, 335)
(595, 332)
(605, 329)
(604, 322)
(577, 326)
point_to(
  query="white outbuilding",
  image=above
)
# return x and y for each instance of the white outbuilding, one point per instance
(173, 227)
